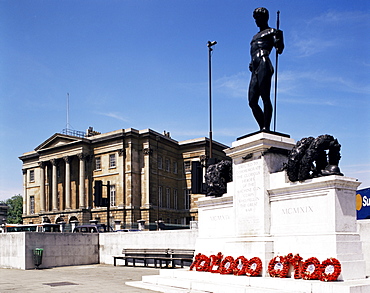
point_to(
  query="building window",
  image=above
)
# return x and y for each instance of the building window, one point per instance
(175, 167)
(168, 197)
(32, 176)
(32, 204)
(168, 165)
(160, 196)
(187, 199)
(187, 166)
(160, 162)
(97, 163)
(112, 161)
(112, 194)
(175, 198)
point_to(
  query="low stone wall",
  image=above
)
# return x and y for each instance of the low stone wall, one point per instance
(64, 249)
(112, 243)
(12, 252)
(363, 227)
(60, 249)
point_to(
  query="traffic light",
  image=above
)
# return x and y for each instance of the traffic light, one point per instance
(196, 177)
(98, 193)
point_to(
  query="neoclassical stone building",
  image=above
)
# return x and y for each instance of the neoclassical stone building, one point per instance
(149, 175)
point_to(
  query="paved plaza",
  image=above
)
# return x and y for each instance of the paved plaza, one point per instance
(87, 278)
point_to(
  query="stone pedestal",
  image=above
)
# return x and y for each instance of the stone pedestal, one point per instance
(264, 215)
(317, 217)
(254, 159)
(242, 216)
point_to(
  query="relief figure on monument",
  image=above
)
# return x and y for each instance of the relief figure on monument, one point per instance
(217, 176)
(261, 67)
(309, 159)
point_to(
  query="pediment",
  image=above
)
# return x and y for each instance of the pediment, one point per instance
(58, 140)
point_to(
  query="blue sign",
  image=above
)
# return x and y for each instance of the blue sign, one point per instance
(363, 204)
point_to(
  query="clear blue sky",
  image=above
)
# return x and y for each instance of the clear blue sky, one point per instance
(144, 64)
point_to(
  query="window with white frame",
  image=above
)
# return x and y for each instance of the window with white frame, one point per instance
(98, 163)
(175, 199)
(112, 160)
(187, 166)
(175, 167)
(160, 196)
(112, 194)
(168, 197)
(32, 176)
(32, 204)
(168, 165)
(187, 199)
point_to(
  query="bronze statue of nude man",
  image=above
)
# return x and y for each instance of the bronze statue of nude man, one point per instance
(261, 67)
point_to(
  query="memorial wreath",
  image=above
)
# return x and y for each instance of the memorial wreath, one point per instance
(215, 262)
(311, 269)
(239, 266)
(278, 267)
(254, 267)
(330, 270)
(226, 266)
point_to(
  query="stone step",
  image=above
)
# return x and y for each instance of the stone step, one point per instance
(183, 280)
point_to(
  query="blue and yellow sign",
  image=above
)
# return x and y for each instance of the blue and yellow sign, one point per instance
(363, 204)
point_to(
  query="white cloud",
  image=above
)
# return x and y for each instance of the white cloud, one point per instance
(309, 46)
(339, 17)
(235, 85)
(115, 116)
(293, 82)
(329, 30)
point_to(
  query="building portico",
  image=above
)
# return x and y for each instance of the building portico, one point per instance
(148, 172)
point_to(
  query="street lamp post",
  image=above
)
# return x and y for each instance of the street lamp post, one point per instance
(209, 45)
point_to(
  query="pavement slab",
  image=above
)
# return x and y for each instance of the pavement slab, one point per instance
(87, 278)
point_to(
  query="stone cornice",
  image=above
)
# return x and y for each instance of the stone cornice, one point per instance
(212, 202)
(312, 187)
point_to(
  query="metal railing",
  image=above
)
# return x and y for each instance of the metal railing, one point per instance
(73, 132)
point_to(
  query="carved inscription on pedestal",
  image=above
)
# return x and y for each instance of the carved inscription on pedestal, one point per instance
(249, 196)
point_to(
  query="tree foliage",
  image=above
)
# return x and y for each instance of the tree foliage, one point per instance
(15, 210)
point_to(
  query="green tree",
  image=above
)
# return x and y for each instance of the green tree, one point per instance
(15, 209)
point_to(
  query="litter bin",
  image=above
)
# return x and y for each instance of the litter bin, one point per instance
(37, 257)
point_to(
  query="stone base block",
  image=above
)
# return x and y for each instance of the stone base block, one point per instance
(248, 247)
(346, 247)
(183, 280)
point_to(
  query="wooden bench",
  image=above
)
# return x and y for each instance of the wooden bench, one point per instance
(135, 254)
(182, 255)
(157, 255)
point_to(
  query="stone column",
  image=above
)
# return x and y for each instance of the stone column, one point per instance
(54, 189)
(42, 186)
(117, 224)
(26, 208)
(82, 181)
(68, 182)
(141, 224)
(145, 179)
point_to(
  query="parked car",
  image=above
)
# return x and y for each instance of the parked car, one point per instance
(99, 228)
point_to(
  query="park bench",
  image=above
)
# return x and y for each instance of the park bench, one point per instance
(155, 256)
(182, 255)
